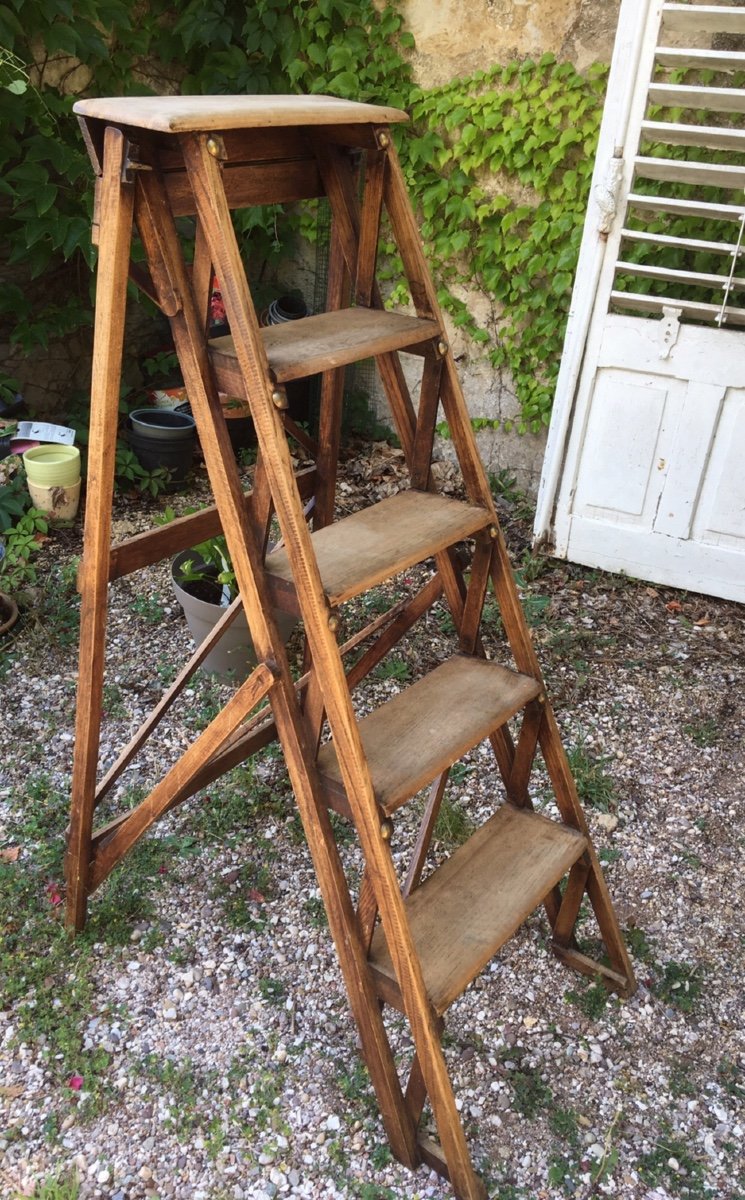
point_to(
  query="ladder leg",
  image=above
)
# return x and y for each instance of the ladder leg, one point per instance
(113, 264)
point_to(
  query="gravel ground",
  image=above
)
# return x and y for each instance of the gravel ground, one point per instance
(196, 1042)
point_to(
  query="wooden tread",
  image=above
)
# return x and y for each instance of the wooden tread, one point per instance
(430, 725)
(474, 902)
(371, 545)
(300, 348)
(182, 114)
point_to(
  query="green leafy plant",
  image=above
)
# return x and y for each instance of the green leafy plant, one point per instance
(21, 542)
(129, 473)
(211, 566)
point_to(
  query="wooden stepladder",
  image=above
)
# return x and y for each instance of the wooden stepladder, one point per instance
(413, 945)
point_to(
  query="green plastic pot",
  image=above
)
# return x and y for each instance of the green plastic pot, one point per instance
(52, 466)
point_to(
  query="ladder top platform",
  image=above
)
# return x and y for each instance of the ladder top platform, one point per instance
(189, 114)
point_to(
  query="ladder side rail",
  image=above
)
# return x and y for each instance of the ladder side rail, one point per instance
(191, 349)
(212, 207)
(117, 204)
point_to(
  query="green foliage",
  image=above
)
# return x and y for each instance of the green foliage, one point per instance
(501, 166)
(595, 789)
(591, 999)
(52, 53)
(129, 473)
(21, 542)
(680, 984)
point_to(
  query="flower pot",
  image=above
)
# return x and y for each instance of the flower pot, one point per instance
(52, 466)
(161, 437)
(8, 613)
(237, 414)
(233, 656)
(61, 503)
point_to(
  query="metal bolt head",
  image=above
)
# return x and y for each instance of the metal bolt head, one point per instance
(213, 147)
(442, 348)
(279, 398)
(334, 622)
(386, 829)
(383, 140)
(493, 532)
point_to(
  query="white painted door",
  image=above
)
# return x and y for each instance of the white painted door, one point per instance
(645, 463)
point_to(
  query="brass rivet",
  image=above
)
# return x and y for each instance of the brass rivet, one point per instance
(279, 398)
(213, 147)
(383, 140)
(493, 532)
(334, 622)
(541, 697)
(386, 829)
(442, 348)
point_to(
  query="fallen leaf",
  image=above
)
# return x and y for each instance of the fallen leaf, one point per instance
(674, 606)
(12, 1092)
(10, 853)
(257, 896)
(652, 592)
(703, 621)
(75, 1082)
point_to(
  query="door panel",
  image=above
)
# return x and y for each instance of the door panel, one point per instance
(645, 465)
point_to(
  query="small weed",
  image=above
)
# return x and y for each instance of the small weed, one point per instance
(563, 1122)
(730, 1078)
(316, 911)
(166, 670)
(272, 990)
(596, 789)
(380, 1156)
(704, 731)
(681, 984)
(658, 1166)
(393, 668)
(609, 855)
(680, 1081)
(58, 1187)
(590, 999)
(453, 826)
(356, 1086)
(639, 947)
(113, 701)
(149, 608)
(530, 1092)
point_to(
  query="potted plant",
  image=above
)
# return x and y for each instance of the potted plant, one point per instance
(205, 584)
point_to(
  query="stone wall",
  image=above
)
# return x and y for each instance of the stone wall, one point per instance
(455, 38)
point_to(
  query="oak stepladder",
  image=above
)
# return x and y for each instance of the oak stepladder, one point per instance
(412, 945)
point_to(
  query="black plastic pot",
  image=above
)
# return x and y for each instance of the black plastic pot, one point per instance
(161, 437)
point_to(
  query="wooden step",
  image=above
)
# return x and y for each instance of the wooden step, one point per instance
(371, 545)
(474, 902)
(430, 725)
(300, 348)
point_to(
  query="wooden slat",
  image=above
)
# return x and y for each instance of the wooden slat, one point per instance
(714, 99)
(255, 183)
(669, 275)
(686, 208)
(699, 312)
(321, 343)
(429, 726)
(700, 60)
(708, 137)
(664, 239)
(362, 550)
(144, 549)
(704, 174)
(474, 902)
(184, 114)
(703, 18)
